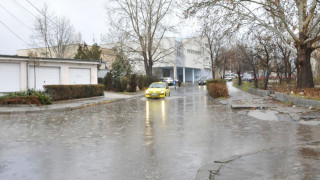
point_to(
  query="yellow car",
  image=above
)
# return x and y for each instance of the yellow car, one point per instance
(158, 90)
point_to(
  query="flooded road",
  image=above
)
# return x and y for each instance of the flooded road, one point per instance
(167, 138)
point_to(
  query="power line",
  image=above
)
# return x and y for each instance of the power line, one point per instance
(42, 13)
(14, 33)
(23, 13)
(14, 17)
(25, 9)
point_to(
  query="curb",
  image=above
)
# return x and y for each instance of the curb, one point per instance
(209, 171)
(286, 98)
(71, 108)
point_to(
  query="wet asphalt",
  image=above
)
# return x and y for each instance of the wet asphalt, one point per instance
(138, 138)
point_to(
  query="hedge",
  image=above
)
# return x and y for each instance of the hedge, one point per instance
(217, 88)
(21, 100)
(66, 92)
(26, 97)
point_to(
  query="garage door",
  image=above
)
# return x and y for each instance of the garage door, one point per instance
(9, 77)
(79, 76)
(44, 76)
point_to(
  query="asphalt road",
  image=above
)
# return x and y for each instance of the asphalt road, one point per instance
(167, 138)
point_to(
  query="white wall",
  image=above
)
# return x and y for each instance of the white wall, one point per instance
(63, 65)
(194, 54)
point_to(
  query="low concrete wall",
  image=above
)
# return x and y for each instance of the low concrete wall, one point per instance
(259, 92)
(296, 100)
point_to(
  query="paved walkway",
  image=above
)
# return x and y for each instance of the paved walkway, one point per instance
(68, 105)
(265, 108)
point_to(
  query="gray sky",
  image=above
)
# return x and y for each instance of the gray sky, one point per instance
(87, 16)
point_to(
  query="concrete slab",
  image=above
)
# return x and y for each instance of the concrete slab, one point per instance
(213, 167)
(251, 106)
(226, 160)
(268, 115)
(203, 175)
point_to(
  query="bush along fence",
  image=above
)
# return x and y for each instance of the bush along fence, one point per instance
(128, 83)
(66, 92)
(217, 88)
(27, 97)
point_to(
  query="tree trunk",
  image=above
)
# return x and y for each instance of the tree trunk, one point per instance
(213, 74)
(266, 80)
(239, 78)
(304, 70)
(255, 79)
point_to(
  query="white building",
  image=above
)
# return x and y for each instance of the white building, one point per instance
(183, 59)
(19, 73)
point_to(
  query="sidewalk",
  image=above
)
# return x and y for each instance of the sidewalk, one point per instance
(266, 108)
(68, 105)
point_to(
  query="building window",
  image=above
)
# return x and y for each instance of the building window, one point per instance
(193, 52)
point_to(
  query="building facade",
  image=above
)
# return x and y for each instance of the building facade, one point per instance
(182, 59)
(19, 73)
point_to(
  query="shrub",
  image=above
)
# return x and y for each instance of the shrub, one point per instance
(133, 83)
(66, 92)
(120, 84)
(144, 82)
(108, 82)
(22, 98)
(217, 89)
(100, 80)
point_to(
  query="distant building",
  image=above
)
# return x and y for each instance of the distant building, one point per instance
(107, 56)
(183, 59)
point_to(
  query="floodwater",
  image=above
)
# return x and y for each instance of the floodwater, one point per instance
(167, 138)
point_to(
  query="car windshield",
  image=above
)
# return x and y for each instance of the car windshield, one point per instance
(247, 75)
(203, 78)
(157, 85)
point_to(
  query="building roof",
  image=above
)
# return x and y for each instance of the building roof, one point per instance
(51, 59)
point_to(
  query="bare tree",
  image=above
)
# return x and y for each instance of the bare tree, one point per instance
(63, 34)
(42, 32)
(251, 59)
(143, 23)
(213, 34)
(34, 59)
(53, 34)
(296, 23)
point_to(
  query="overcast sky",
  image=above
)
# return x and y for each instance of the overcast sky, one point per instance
(87, 16)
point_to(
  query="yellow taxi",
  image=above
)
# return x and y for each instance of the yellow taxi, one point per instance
(158, 90)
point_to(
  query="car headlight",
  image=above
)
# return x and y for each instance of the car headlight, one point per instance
(147, 91)
(162, 91)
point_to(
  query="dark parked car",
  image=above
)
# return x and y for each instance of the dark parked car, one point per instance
(203, 80)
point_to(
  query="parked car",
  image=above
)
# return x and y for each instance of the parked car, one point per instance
(229, 76)
(157, 90)
(247, 77)
(203, 80)
(167, 80)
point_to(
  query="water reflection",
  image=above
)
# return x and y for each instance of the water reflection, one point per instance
(163, 112)
(202, 88)
(154, 110)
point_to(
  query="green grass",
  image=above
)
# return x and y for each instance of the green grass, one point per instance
(245, 85)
